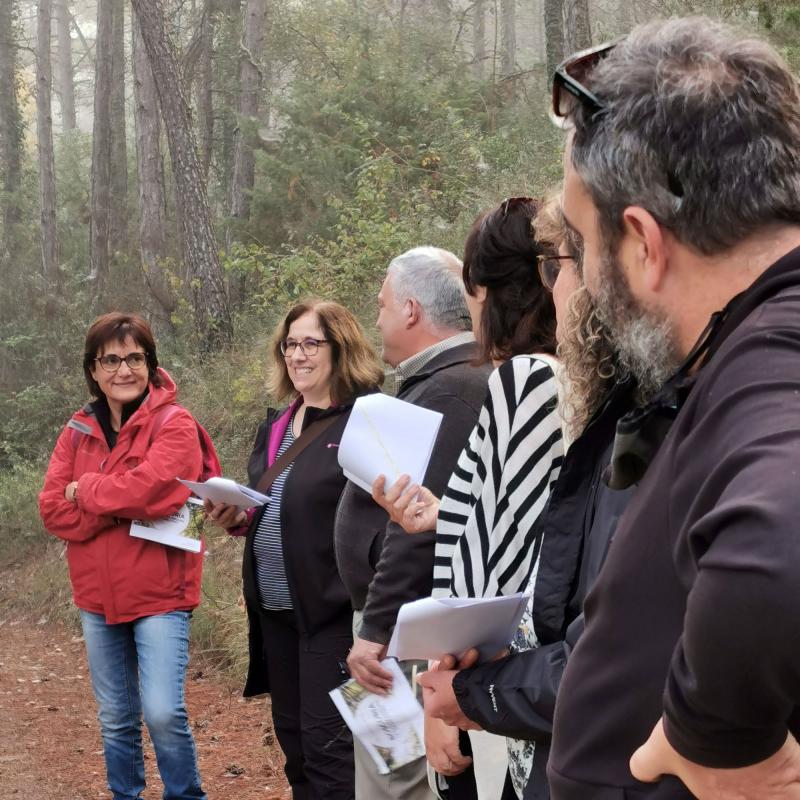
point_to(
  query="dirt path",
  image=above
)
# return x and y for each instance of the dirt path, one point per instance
(50, 742)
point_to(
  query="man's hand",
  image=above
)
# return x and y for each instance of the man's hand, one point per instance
(70, 492)
(224, 515)
(440, 699)
(441, 747)
(776, 778)
(414, 508)
(364, 665)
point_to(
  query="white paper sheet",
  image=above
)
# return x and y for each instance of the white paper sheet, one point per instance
(434, 627)
(168, 531)
(387, 436)
(389, 727)
(224, 490)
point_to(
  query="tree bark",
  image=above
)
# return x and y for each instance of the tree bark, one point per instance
(10, 127)
(479, 37)
(554, 35)
(66, 85)
(508, 16)
(577, 27)
(118, 222)
(211, 312)
(44, 132)
(226, 80)
(152, 193)
(251, 82)
(203, 83)
(101, 156)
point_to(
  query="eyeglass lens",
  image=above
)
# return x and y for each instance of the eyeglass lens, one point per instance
(309, 347)
(112, 362)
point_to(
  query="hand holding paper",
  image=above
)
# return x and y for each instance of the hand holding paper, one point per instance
(390, 727)
(228, 492)
(387, 436)
(433, 628)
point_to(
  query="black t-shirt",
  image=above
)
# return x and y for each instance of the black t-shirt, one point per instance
(695, 613)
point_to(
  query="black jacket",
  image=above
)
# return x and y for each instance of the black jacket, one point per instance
(695, 612)
(516, 696)
(381, 565)
(308, 505)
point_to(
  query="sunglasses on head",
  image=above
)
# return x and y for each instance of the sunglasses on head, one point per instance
(569, 82)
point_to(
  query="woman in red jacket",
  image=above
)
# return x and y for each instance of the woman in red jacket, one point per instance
(117, 460)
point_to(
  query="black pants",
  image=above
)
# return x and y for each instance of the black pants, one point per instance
(315, 740)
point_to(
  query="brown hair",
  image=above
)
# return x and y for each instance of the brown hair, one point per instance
(355, 366)
(116, 327)
(518, 315)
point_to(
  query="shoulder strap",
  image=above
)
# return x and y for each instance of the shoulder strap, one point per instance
(294, 450)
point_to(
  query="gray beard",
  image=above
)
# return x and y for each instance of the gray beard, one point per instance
(642, 338)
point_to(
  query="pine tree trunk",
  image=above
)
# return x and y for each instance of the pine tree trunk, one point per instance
(152, 194)
(250, 82)
(101, 157)
(210, 305)
(204, 82)
(118, 222)
(577, 27)
(44, 132)
(479, 37)
(10, 128)
(554, 35)
(508, 15)
(66, 85)
(226, 77)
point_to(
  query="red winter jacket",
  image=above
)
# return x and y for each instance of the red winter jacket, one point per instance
(113, 573)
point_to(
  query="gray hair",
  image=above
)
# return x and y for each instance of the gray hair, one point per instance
(432, 277)
(701, 128)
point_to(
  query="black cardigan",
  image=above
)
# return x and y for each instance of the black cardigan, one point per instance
(308, 506)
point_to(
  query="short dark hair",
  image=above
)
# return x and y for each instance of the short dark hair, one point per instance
(116, 327)
(701, 127)
(518, 316)
(355, 366)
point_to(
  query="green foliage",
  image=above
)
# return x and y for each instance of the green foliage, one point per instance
(22, 536)
(376, 137)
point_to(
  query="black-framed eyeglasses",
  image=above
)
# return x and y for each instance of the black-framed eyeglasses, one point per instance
(549, 268)
(569, 82)
(112, 362)
(309, 346)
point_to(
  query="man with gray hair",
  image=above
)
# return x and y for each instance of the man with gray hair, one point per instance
(682, 193)
(425, 328)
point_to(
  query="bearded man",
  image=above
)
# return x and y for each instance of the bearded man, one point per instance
(682, 191)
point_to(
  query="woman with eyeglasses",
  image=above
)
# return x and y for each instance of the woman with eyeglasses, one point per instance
(117, 460)
(299, 611)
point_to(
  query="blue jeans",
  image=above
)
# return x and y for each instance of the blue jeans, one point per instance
(139, 667)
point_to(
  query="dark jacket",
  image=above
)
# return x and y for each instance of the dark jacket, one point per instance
(308, 505)
(695, 612)
(516, 696)
(381, 565)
